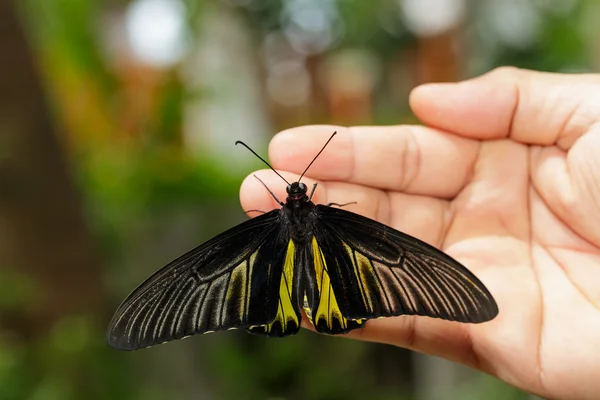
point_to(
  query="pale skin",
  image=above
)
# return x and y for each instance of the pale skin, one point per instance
(504, 177)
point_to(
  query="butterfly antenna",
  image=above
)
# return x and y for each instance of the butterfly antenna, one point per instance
(262, 159)
(318, 154)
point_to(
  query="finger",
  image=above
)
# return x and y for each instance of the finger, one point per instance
(445, 339)
(422, 217)
(527, 106)
(411, 159)
(450, 340)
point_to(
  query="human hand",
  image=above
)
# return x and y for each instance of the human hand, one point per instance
(506, 179)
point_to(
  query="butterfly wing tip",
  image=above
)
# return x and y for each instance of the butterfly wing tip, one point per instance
(486, 315)
(121, 346)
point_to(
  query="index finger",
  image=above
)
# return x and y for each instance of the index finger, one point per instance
(410, 159)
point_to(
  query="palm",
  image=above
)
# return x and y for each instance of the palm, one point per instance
(539, 269)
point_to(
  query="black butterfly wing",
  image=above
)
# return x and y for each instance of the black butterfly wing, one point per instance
(322, 305)
(232, 281)
(287, 318)
(377, 271)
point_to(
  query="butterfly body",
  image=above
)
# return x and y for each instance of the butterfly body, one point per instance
(340, 267)
(298, 212)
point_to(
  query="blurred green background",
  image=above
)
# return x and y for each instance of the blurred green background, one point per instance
(117, 124)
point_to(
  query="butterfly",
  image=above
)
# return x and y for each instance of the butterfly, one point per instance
(341, 268)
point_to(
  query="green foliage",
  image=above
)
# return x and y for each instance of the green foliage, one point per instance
(67, 363)
(17, 291)
(308, 367)
(69, 30)
(560, 48)
(156, 177)
(125, 186)
(374, 25)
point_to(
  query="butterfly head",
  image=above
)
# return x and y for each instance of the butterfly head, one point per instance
(296, 191)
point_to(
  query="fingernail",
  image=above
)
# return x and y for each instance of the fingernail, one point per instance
(435, 88)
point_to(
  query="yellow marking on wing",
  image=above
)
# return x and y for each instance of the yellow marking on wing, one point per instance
(238, 291)
(249, 267)
(363, 269)
(285, 311)
(328, 308)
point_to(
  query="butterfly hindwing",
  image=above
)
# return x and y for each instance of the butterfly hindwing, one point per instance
(377, 271)
(288, 316)
(232, 281)
(322, 301)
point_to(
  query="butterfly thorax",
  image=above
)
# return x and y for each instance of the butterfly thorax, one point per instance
(298, 211)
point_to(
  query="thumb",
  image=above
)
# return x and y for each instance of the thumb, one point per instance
(527, 106)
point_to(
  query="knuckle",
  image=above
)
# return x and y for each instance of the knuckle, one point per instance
(410, 159)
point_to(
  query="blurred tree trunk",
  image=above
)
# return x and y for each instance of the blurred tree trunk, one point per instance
(439, 58)
(42, 230)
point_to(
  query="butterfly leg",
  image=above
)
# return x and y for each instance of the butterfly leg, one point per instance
(269, 190)
(312, 191)
(341, 205)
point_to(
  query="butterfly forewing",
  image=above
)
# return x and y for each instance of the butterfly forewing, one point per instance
(377, 271)
(231, 281)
